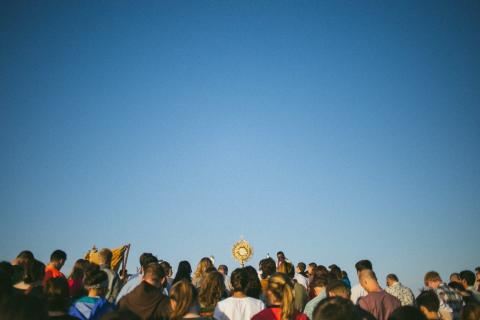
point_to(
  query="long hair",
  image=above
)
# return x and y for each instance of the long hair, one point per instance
(212, 289)
(184, 271)
(78, 270)
(254, 287)
(204, 264)
(280, 287)
(185, 297)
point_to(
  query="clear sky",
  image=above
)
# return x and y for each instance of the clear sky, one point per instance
(334, 131)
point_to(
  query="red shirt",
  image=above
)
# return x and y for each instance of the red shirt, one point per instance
(275, 313)
(51, 272)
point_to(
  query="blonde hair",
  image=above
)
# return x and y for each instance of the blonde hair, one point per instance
(211, 289)
(202, 267)
(280, 287)
(185, 296)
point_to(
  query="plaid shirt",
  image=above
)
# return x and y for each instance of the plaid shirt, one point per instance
(402, 293)
(449, 299)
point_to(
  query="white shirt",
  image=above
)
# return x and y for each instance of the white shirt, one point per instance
(357, 293)
(238, 308)
(301, 280)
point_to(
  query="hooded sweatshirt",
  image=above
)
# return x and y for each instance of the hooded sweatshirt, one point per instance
(147, 302)
(90, 308)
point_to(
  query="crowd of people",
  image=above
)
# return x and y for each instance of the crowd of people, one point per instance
(277, 290)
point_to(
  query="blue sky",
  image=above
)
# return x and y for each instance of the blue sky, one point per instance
(334, 131)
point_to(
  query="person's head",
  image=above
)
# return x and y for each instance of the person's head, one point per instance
(204, 264)
(471, 311)
(455, 277)
(338, 288)
(267, 267)
(105, 257)
(154, 275)
(254, 287)
(184, 271)
(223, 269)
(477, 273)
(167, 268)
(368, 280)
(287, 269)
(432, 280)
(336, 273)
(311, 268)
(281, 256)
(183, 297)
(320, 270)
(318, 284)
(280, 292)
(407, 313)
(391, 279)
(145, 259)
(96, 283)
(23, 307)
(35, 273)
(239, 280)
(363, 265)
(24, 257)
(212, 288)
(57, 294)
(58, 258)
(467, 278)
(428, 303)
(301, 268)
(78, 270)
(335, 308)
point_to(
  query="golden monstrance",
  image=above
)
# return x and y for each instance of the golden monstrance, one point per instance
(242, 251)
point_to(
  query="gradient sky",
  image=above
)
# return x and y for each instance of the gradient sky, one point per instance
(334, 131)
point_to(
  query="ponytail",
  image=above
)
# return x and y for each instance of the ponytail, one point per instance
(280, 287)
(287, 302)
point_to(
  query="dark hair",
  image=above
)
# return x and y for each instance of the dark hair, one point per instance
(268, 267)
(320, 281)
(254, 287)
(184, 271)
(239, 279)
(280, 253)
(335, 308)
(312, 265)
(223, 267)
(56, 292)
(336, 273)
(147, 258)
(429, 300)
(35, 271)
(25, 255)
(155, 269)
(468, 276)
(95, 277)
(302, 267)
(392, 276)
(23, 307)
(407, 313)
(166, 267)
(320, 270)
(363, 265)
(337, 286)
(78, 270)
(58, 255)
